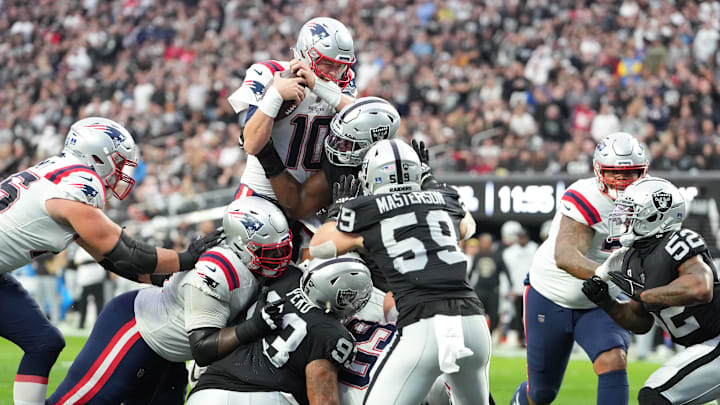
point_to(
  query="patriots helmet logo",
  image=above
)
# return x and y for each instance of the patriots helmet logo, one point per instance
(115, 135)
(256, 87)
(318, 31)
(251, 223)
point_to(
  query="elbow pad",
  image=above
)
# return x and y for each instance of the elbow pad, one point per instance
(204, 345)
(130, 258)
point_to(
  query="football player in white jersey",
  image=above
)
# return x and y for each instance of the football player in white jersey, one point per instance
(44, 208)
(323, 85)
(352, 132)
(144, 335)
(556, 311)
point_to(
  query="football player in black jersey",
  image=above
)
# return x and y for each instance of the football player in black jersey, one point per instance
(412, 236)
(670, 277)
(300, 362)
(352, 131)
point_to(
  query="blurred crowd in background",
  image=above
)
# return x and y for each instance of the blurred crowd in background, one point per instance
(494, 87)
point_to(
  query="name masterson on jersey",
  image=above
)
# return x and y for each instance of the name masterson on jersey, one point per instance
(393, 201)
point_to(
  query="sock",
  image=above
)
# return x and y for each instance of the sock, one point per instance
(520, 395)
(613, 388)
(29, 390)
(30, 386)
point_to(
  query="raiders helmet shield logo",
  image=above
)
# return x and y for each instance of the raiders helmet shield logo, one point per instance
(345, 297)
(380, 133)
(662, 201)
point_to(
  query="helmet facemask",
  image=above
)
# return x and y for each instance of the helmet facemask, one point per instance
(343, 151)
(614, 187)
(271, 260)
(622, 221)
(120, 181)
(342, 78)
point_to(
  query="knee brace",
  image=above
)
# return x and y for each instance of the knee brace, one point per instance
(650, 396)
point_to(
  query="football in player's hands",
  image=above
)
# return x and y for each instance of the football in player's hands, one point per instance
(288, 106)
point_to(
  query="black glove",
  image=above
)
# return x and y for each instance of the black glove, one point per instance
(427, 180)
(631, 287)
(345, 189)
(597, 291)
(159, 279)
(270, 160)
(262, 323)
(189, 257)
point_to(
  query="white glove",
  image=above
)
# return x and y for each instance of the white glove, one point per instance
(612, 263)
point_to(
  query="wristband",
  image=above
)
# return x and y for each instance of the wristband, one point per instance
(271, 102)
(270, 160)
(328, 91)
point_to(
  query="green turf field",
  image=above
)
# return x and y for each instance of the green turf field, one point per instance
(506, 373)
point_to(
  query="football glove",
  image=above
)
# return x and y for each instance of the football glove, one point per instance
(598, 292)
(612, 263)
(345, 189)
(631, 287)
(189, 257)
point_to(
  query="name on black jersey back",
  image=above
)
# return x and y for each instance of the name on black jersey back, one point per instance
(393, 201)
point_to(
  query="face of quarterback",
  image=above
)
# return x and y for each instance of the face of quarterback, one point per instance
(331, 68)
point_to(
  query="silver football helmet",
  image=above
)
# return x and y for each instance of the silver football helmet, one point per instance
(257, 231)
(648, 207)
(357, 126)
(390, 166)
(108, 148)
(326, 38)
(341, 285)
(618, 151)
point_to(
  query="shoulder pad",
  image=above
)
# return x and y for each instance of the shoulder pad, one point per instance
(215, 274)
(576, 205)
(257, 78)
(79, 183)
(684, 244)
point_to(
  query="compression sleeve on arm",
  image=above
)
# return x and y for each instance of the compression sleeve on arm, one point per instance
(130, 258)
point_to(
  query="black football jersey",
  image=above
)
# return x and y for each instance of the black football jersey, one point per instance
(413, 239)
(655, 263)
(277, 362)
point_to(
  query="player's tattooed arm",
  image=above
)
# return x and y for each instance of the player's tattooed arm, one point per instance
(321, 382)
(572, 243)
(693, 286)
(631, 315)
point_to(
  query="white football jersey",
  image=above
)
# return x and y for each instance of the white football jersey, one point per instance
(299, 137)
(585, 203)
(373, 334)
(26, 228)
(160, 312)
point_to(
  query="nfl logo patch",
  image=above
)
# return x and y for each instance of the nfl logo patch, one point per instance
(541, 318)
